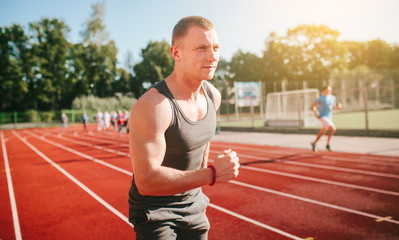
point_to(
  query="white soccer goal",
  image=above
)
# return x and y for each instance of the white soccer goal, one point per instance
(291, 108)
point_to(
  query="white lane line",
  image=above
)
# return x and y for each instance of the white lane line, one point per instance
(91, 145)
(81, 154)
(387, 175)
(321, 180)
(100, 139)
(264, 170)
(313, 165)
(92, 138)
(111, 136)
(95, 146)
(313, 201)
(17, 228)
(103, 140)
(223, 144)
(219, 208)
(254, 222)
(76, 181)
(267, 171)
(362, 159)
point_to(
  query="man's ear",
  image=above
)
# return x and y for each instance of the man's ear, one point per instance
(175, 51)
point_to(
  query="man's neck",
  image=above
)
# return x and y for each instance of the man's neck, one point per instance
(184, 88)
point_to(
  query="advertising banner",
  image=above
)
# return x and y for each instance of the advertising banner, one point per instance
(247, 94)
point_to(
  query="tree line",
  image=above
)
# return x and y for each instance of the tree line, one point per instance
(41, 70)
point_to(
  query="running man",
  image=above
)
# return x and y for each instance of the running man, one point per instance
(171, 126)
(322, 109)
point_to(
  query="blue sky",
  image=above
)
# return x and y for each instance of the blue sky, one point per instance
(241, 24)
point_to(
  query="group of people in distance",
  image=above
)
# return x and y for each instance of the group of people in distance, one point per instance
(105, 121)
(112, 121)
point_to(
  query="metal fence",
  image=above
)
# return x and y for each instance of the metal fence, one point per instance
(33, 118)
(370, 106)
(374, 105)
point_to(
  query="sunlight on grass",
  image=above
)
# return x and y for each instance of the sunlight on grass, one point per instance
(378, 120)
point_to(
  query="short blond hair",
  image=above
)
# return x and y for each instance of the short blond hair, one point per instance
(181, 28)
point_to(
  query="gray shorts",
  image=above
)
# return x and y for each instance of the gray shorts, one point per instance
(187, 221)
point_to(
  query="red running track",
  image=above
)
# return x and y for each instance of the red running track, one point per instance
(74, 185)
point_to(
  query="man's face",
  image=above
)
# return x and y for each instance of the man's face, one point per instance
(199, 53)
(327, 91)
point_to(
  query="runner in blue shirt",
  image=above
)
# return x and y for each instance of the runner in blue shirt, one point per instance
(85, 119)
(322, 108)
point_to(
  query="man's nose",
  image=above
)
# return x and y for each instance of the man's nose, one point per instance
(213, 55)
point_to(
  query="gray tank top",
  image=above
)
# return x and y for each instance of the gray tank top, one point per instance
(185, 145)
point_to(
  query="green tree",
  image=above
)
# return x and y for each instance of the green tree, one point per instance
(123, 82)
(316, 51)
(222, 77)
(377, 55)
(356, 53)
(394, 57)
(15, 70)
(274, 68)
(100, 54)
(245, 67)
(308, 52)
(137, 84)
(76, 79)
(50, 50)
(157, 63)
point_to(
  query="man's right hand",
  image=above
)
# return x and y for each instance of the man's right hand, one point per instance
(226, 166)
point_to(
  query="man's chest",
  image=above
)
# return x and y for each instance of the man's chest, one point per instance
(194, 111)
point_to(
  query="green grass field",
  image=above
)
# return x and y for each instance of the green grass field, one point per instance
(381, 119)
(378, 120)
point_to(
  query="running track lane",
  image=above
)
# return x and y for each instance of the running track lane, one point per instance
(10, 219)
(50, 204)
(295, 163)
(109, 184)
(219, 208)
(222, 223)
(303, 217)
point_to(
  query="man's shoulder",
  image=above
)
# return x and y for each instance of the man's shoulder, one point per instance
(212, 88)
(320, 98)
(330, 97)
(151, 100)
(152, 111)
(151, 96)
(216, 96)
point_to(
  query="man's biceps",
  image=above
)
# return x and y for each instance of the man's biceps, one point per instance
(144, 162)
(151, 152)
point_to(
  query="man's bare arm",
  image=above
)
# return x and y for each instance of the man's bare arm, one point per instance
(314, 108)
(206, 156)
(147, 150)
